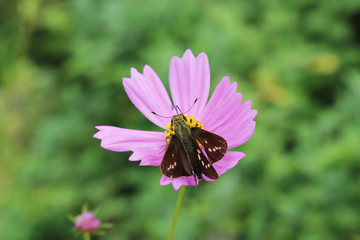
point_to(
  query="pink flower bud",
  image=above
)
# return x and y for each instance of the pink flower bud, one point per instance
(87, 222)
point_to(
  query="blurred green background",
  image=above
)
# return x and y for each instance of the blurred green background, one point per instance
(62, 62)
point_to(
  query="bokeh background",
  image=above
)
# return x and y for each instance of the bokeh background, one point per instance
(62, 64)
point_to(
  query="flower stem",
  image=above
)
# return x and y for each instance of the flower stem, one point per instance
(87, 236)
(176, 213)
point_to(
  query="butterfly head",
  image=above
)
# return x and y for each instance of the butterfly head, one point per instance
(178, 119)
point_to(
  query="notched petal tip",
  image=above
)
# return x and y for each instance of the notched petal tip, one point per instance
(100, 127)
(230, 160)
(203, 58)
(188, 53)
(134, 71)
(98, 134)
(254, 112)
(178, 182)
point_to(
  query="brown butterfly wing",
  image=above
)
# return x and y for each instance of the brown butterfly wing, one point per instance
(172, 164)
(214, 145)
(201, 164)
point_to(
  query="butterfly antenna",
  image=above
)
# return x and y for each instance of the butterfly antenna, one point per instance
(160, 115)
(192, 105)
(177, 107)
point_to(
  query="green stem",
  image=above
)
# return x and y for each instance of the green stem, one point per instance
(87, 236)
(177, 211)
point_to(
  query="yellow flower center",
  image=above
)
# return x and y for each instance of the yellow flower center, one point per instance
(192, 122)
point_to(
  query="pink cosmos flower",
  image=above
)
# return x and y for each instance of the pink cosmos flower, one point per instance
(87, 222)
(189, 77)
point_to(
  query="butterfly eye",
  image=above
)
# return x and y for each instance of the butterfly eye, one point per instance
(184, 118)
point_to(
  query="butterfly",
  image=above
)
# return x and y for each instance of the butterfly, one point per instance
(183, 155)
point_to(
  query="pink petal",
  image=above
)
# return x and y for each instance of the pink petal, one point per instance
(229, 161)
(189, 79)
(92, 225)
(148, 94)
(149, 157)
(83, 219)
(87, 222)
(226, 116)
(242, 127)
(215, 108)
(178, 182)
(148, 146)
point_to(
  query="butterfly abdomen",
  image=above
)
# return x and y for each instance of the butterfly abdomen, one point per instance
(183, 131)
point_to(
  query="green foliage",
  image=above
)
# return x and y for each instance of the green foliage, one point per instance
(61, 68)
